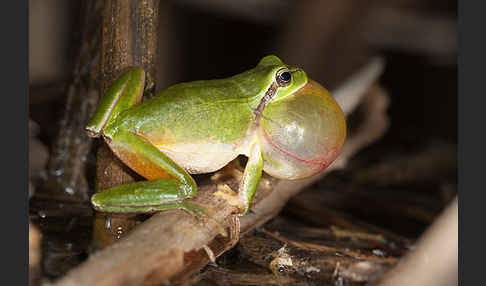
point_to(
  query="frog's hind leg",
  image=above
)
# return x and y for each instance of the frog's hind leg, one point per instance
(124, 93)
(145, 197)
(169, 184)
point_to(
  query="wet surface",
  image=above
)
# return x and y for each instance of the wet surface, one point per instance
(66, 234)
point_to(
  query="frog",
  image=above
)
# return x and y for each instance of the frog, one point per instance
(283, 122)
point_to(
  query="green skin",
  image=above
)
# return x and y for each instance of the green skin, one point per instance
(200, 115)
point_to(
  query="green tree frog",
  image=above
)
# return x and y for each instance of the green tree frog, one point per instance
(286, 124)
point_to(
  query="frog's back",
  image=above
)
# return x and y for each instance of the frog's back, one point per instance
(201, 125)
(193, 111)
(211, 110)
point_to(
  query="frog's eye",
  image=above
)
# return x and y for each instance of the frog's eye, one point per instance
(283, 77)
(302, 134)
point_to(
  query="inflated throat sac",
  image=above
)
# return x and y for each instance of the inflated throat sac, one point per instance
(301, 134)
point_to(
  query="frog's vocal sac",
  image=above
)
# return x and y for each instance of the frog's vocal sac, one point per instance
(285, 123)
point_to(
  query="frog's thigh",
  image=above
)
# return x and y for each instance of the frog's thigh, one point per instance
(146, 159)
(140, 164)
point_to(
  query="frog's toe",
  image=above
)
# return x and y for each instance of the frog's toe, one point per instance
(194, 209)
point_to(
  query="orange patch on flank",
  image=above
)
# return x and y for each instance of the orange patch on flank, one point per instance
(141, 165)
(159, 138)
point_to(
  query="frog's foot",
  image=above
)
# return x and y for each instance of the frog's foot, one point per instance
(231, 197)
(189, 207)
(193, 209)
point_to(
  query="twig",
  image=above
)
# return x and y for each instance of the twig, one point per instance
(288, 250)
(318, 247)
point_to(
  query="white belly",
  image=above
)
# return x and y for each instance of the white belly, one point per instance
(200, 158)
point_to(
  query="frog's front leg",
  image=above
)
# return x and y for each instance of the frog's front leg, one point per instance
(169, 186)
(249, 183)
(125, 92)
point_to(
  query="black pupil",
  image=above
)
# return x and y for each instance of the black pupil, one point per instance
(285, 76)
